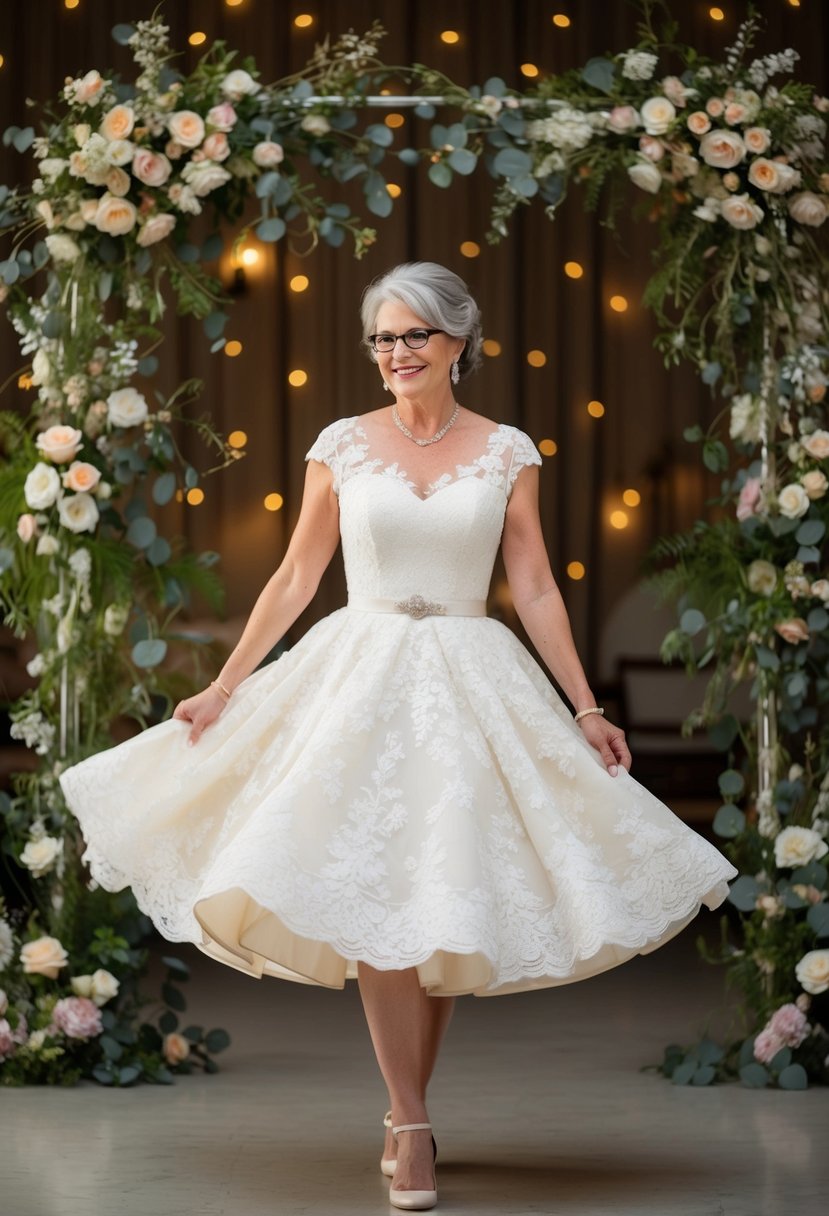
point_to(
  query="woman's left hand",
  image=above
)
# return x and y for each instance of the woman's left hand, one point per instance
(609, 741)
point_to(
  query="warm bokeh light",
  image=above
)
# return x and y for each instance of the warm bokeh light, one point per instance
(794, 3)
(71, 3)
(561, 20)
(573, 270)
(2, 61)
(575, 570)
(303, 21)
(595, 409)
(195, 496)
(299, 282)
(233, 348)
(249, 256)
(618, 519)
(631, 498)
(450, 37)
(297, 378)
(394, 120)
(618, 303)
(233, 3)
(529, 69)
(536, 358)
(273, 502)
(394, 190)
(197, 38)
(548, 447)
(24, 380)
(179, 495)
(237, 439)
(491, 347)
(716, 14)
(470, 249)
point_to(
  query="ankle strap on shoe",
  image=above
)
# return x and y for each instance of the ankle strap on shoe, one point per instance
(410, 1127)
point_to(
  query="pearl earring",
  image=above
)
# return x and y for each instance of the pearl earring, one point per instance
(454, 373)
(386, 387)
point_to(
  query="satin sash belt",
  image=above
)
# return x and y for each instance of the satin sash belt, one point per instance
(416, 606)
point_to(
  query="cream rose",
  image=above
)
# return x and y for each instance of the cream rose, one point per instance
(722, 149)
(61, 247)
(41, 487)
(81, 477)
(26, 527)
(820, 588)
(797, 847)
(126, 407)
(156, 229)
(89, 88)
(795, 630)
(765, 175)
(47, 546)
(762, 577)
(757, 139)
(813, 972)
(59, 443)
(186, 127)
(645, 175)
(715, 106)
(117, 182)
(267, 155)
(808, 208)
(44, 210)
(204, 176)
(316, 124)
(151, 168)
(657, 115)
(79, 512)
(239, 84)
(119, 152)
(115, 215)
(793, 500)
(99, 987)
(816, 444)
(175, 1048)
(117, 123)
(82, 985)
(43, 956)
(698, 122)
(40, 855)
(741, 212)
(115, 618)
(814, 483)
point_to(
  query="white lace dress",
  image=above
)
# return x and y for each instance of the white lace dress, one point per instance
(401, 788)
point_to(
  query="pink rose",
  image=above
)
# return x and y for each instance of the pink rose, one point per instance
(698, 122)
(749, 498)
(620, 120)
(794, 630)
(151, 168)
(715, 106)
(9, 1038)
(766, 1046)
(789, 1024)
(156, 229)
(652, 148)
(216, 147)
(173, 149)
(221, 117)
(88, 90)
(675, 90)
(77, 1017)
(267, 155)
(26, 527)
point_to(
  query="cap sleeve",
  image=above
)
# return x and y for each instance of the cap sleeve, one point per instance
(524, 452)
(326, 449)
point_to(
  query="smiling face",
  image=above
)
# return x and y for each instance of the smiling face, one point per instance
(414, 373)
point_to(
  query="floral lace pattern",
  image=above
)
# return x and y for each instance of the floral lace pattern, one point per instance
(406, 792)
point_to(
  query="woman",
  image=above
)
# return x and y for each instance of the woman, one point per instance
(403, 797)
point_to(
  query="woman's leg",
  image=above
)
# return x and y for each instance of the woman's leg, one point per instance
(406, 1027)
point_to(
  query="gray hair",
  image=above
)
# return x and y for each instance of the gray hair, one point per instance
(438, 295)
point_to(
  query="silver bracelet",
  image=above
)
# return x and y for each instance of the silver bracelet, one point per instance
(594, 710)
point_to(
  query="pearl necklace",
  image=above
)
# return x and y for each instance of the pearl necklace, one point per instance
(398, 421)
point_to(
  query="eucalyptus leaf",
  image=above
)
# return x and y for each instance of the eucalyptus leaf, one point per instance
(683, 1073)
(809, 555)
(379, 134)
(743, 893)
(191, 477)
(513, 162)
(214, 324)
(149, 653)
(103, 1075)
(216, 1040)
(729, 821)
(159, 552)
(129, 1073)
(810, 532)
(212, 247)
(409, 156)
(53, 325)
(463, 161)
(793, 1077)
(817, 919)
(754, 1076)
(440, 174)
(512, 122)
(123, 32)
(704, 1075)
(817, 620)
(6, 559)
(173, 997)
(24, 139)
(272, 229)
(692, 621)
(494, 87)
(766, 658)
(147, 366)
(110, 1046)
(599, 73)
(267, 183)
(176, 965)
(164, 488)
(187, 253)
(782, 1060)
(141, 532)
(525, 185)
(425, 110)
(105, 285)
(168, 1022)
(711, 373)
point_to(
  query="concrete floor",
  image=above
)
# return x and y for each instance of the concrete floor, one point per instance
(538, 1106)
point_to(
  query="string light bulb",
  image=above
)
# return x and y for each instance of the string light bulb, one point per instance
(631, 498)
(575, 570)
(237, 439)
(536, 358)
(618, 303)
(233, 348)
(716, 14)
(233, 3)
(195, 496)
(529, 69)
(303, 20)
(595, 409)
(197, 38)
(299, 282)
(548, 447)
(450, 37)
(394, 191)
(470, 249)
(273, 502)
(249, 256)
(573, 270)
(297, 378)
(561, 20)
(71, 3)
(491, 347)
(394, 120)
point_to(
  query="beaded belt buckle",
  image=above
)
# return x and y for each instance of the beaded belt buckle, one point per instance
(418, 607)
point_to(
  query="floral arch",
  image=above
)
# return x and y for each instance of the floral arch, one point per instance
(734, 153)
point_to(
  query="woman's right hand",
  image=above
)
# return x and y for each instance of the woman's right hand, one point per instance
(201, 711)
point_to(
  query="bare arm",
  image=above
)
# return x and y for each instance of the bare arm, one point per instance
(286, 594)
(543, 614)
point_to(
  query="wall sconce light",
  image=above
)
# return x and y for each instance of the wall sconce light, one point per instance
(246, 262)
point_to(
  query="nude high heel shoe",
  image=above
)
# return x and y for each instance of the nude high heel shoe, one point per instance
(388, 1164)
(414, 1200)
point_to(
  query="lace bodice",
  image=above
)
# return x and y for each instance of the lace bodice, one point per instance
(399, 540)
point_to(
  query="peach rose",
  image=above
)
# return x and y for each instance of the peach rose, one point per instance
(216, 147)
(757, 139)
(268, 154)
(715, 106)
(156, 229)
(722, 149)
(808, 208)
(59, 443)
(115, 215)
(814, 483)
(766, 175)
(117, 182)
(81, 476)
(794, 630)
(816, 444)
(174, 150)
(698, 122)
(43, 956)
(176, 1048)
(740, 211)
(89, 88)
(89, 209)
(117, 123)
(735, 112)
(186, 127)
(151, 168)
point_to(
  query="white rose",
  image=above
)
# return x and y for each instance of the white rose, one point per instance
(82, 985)
(820, 588)
(316, 124)
(44, 210)
(722, 149)
(62, 247)
(186, 127)
(115, 215)
(709, 210)
(814, 483)
(41, 488)
(762, 245)
(645, 175)
(52, 167)
(119, 152)
(813, 971)
(81, 133)
(797, 847)
(816, 444)
(204, 176)
(238, 84)
(6, 944)
(740, 211)
(268, 154)
(36, 1040)
(47, 546)
(104, 986)
(126, 407)
(657, 115)
(156, 229)
(793, 501)
(40, 855)
(41, 368)
(808, 208)
(79, 512)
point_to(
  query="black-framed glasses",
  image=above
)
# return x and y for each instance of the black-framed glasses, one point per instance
(414, 339)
